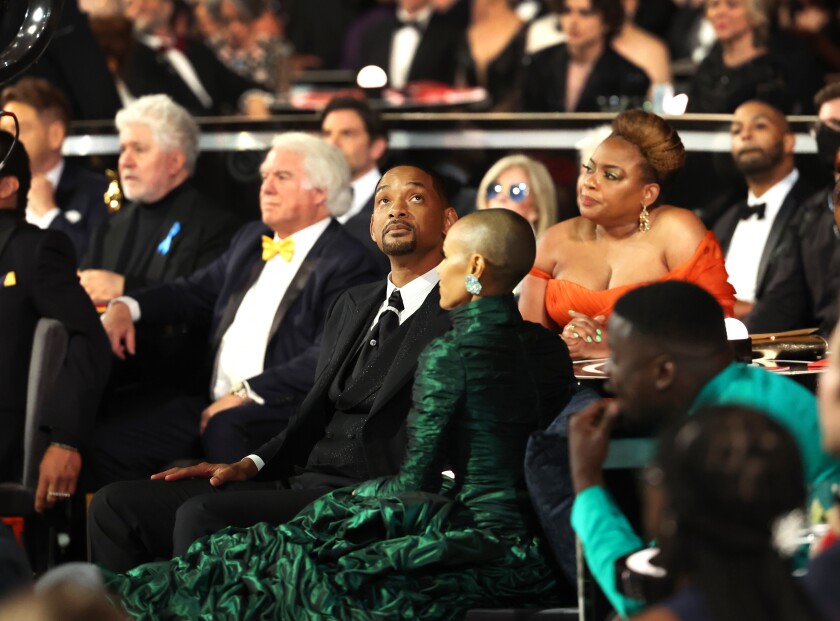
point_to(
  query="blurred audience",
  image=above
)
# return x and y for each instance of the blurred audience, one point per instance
(817, 24)
(623, 238)
(169, 228)
(523, 185)
(642, 48)
(584, 74)
(265, 313)
(751, 232)
(115, 36)
(63, 195)
(718, 523)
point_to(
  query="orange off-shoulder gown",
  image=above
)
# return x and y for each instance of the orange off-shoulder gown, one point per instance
(705, 268)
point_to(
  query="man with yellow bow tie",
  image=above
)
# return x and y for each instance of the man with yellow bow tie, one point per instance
(265, 299)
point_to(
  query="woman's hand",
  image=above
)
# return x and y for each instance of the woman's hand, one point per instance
(586, 337)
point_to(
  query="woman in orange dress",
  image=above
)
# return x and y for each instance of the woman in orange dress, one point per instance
(624, 238)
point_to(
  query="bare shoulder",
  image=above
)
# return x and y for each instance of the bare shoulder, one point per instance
(681, 222)
(553, 245)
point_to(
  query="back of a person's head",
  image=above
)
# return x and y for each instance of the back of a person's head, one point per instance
(16, 165)
(674, 313)
(826, 93)
(371, 119)
(40, 95)
(66, 602)
(172, 127)
(505, 240)
(659, 143)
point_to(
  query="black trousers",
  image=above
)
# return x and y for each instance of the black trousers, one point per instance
(134, 522)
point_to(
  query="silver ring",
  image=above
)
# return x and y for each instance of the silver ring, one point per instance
(59, 494)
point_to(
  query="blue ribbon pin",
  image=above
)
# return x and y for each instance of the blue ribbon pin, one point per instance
(164, 246)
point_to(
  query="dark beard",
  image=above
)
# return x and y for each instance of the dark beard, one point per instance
(762, 164)
(399, 248)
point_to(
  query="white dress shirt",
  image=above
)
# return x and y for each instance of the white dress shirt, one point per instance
(413, 295)
(404, 45)
(53, 175)
(750, 236)
(182, 66)
(363, 189)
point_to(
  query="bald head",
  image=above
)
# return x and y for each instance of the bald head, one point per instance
(505, 240)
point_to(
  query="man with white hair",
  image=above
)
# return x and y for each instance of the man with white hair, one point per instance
(265, 299)
(169, 229)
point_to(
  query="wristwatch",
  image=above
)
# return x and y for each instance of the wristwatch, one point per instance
(240, 390)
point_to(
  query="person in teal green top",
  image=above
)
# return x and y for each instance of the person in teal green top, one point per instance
(670, 357)
(416, 545)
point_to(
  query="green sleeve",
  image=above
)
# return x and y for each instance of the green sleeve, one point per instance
(606, 536)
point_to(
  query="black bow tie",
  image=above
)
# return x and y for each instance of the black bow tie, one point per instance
(410, 23)
(748, 211)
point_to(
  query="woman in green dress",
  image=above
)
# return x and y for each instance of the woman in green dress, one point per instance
(418, 545)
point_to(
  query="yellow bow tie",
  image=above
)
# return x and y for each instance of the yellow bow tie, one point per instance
(271, 248)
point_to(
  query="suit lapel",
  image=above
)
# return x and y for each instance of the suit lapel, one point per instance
(725, 227)
(180, 213)
(114, 244)
(7, 229)
(788, 208)
(251, 268)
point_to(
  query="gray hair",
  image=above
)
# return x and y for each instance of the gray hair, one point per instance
(324, 166)
(172, 127)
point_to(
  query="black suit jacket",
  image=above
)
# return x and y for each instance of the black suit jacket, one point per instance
(213, 294)
(778, 244)
(80, 196)
(544, 81)
(205, 233)
(435, 56)
(38, 279)
(148, 72)
(384, 434)
(803, 284)
(359, 227)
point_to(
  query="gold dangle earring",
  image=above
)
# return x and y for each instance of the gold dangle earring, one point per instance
(644, 219)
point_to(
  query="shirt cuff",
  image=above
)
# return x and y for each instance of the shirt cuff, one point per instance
(252, 395)
(133, 306)
(44, 221)
(258, 462)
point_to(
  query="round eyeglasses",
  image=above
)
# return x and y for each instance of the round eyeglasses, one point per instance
(517, 192)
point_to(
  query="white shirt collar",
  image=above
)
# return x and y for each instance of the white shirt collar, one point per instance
(363, 189)
(422, 16)
(775, 196)
(413, 294)
(307, 237)
(53, 175)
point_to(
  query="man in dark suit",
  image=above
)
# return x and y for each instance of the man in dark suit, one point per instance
(63, 196)
(751, 233)
(350, 427)
(358, 132)
(803, 284)
(169, 229)
(416, 44)
(186, 70)
(38, 279)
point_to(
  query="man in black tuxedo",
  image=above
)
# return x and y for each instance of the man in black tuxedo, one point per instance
(265, 300)
(169, 229)
(350, 427)
(352, 126)
(64, 196)
(38, 279)
(186, 70)
(416, 44)
(803, 284)
(751, 233)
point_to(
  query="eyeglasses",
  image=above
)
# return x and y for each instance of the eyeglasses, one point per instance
(517, 192)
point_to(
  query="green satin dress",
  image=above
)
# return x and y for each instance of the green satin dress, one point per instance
(413, 546)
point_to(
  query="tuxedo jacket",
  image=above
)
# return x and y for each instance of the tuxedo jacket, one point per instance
(38, 279)
(80, 197)
(803, 284)
(148, 72)
(778, 244)
(384, 434)
(544, 81)
(205, 231)
(435, 56)
(359, 227)
(213, 295)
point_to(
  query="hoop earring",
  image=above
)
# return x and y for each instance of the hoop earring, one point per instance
(472, 285)
(644, 220)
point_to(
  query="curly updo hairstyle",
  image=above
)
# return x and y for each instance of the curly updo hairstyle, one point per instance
(658, 143)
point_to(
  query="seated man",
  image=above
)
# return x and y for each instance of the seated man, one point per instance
(38, 279)
(670, 357)
(169, 229)
(265, 299)
(64, 196)
(350, 427)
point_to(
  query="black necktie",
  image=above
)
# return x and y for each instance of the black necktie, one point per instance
(748, 211)
(389, 322)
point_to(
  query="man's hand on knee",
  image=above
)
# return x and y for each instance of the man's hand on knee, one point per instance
(219, 474)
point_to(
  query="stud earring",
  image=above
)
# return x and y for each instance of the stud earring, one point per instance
(644, 220)
(472, 284)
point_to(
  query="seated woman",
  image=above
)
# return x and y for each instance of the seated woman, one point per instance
(584, 74)
(726, 478)
(623, 238)
(415, 545)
